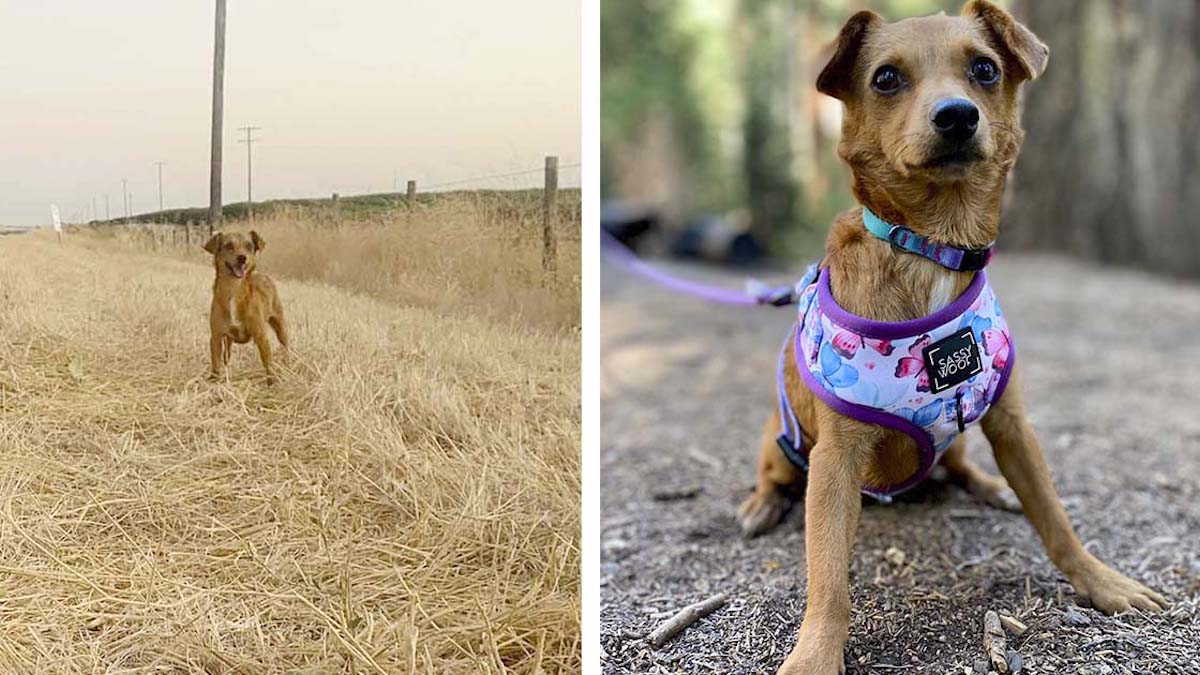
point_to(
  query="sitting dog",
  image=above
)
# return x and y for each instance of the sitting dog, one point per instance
(900, 342)
(244, 302)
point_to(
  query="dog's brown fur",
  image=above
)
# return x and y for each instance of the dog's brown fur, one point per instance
(244, 301)
(892, 148)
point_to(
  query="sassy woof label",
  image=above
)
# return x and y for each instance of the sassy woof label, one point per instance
(952, 360)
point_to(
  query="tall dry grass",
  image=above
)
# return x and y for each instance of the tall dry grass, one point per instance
(462, 252)
(404, 501)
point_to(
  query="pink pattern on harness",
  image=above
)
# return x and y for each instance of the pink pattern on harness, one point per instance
(928, 378)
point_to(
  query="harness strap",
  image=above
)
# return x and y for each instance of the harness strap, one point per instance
(950, 257)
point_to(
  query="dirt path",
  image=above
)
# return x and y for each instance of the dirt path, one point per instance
(1111, 360)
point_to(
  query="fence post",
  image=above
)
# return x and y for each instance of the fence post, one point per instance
(550, 199)
(411, 193)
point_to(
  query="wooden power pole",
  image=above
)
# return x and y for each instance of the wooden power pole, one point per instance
(160, 165)
(214, 177)
(249, 140)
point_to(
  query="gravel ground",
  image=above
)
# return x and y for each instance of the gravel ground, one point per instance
(1110, 361)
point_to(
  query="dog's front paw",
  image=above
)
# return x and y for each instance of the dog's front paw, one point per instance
(762, 511)
(1111, 592)
(816, 653)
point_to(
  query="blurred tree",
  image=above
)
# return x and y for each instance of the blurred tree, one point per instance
(709, 106)
(657, 141)
(771, 190)
(1111, 164)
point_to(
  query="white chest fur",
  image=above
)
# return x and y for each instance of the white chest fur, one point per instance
(234, 319)
(939, 294)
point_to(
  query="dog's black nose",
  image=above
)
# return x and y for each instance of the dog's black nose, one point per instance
(241, 259)
(955, 119)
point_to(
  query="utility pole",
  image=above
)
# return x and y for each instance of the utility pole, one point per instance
(95, 216)
(107, 211)
(160, 199)
(125, 198)
(214, 176)
(249, 141)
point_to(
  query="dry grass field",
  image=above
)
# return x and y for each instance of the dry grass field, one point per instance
(405, 500)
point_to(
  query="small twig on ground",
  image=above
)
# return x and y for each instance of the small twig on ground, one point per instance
(994, 641)
(981, 559)
(684, 618)
(1013, 625)
(676, 494)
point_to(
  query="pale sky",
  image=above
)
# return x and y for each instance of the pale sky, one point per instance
(350, 96)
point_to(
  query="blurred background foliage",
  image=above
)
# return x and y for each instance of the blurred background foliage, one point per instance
(709, 107)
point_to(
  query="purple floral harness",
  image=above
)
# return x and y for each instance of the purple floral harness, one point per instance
(928, 377)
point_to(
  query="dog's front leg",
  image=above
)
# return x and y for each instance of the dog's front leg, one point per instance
(216, 347)
(831, 510)
(264, 351)
(1020, 459)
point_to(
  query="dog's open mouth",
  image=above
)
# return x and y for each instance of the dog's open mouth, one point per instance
(237, 270)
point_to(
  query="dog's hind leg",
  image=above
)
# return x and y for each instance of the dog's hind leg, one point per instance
(832, 506)
(989, 489)
(772, 496)
(279, 325)
(1021, 461)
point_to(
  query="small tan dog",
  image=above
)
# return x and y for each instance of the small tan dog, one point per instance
(244, 302)
(930, 132)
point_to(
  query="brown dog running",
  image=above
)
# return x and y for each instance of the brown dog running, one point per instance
(244, 302)
(947, 188)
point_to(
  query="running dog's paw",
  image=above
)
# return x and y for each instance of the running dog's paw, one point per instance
(762, 511)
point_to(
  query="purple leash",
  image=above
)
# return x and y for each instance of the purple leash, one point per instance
(619, 254)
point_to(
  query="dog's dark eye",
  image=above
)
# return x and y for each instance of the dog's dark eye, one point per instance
(887, 80)
(984, 71)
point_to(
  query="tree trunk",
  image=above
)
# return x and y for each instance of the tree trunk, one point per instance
(1110, 169)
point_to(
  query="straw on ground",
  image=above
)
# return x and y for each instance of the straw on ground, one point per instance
(405, 500)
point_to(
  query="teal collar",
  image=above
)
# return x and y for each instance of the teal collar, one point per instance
(950, 257)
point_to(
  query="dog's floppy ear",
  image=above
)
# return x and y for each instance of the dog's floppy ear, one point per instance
(837, 77)
(214, 244)
(1024, 49)
(258, 241)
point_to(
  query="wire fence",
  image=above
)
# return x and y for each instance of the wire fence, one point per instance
(517, 197)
